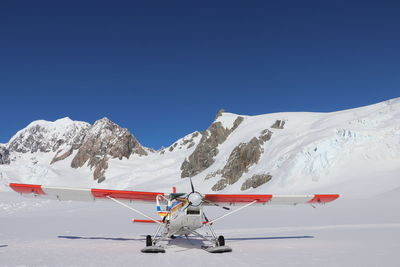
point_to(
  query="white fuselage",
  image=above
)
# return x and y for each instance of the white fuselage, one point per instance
(185, 220)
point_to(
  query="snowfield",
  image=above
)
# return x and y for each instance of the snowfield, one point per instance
(347, 232)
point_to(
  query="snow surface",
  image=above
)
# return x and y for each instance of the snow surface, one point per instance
(348, 232)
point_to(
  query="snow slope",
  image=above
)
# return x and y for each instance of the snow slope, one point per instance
(354, 152)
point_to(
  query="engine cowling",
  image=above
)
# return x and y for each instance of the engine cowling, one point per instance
(195, 199)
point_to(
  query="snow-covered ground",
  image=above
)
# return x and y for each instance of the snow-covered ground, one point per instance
(347, 232)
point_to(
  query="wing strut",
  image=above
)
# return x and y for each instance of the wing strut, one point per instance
(135, 210)
(229, 213)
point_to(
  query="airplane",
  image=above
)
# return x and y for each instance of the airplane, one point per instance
(183, 214)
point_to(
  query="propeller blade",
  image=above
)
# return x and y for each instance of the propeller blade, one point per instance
(191, 184)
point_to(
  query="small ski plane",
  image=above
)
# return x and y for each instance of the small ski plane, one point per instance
(183, 213)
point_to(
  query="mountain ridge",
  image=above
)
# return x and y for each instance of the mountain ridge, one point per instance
(286, 152)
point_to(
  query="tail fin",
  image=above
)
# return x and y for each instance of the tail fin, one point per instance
(163, 213)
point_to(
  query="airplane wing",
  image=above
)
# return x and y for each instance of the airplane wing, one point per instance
(81, 194)
(243, 199)
(65, 193)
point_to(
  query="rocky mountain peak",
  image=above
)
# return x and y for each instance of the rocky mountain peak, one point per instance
(47, 136)
(219, 114)
(204, 154)
(95, 143)
(103, 122)
(105, 139)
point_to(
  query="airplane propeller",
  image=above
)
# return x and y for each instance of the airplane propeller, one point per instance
(196, 199)
(191, 184)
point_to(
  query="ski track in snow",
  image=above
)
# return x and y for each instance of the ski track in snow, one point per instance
(348, 232)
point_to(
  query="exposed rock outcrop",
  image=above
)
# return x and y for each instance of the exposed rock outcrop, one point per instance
(4, 155)
(265, 136)
(184, 143)
(219, 114)
(278, 124)
(203, 155)
(103, 140)
(61, 155)
(99, 172)
(241, 158)
(255, 181)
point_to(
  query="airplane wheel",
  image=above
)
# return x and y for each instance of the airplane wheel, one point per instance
(221, 240)
(149, 242)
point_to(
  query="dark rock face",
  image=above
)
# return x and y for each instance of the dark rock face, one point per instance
(4, 155)
(255, 181)
(100, 170)
(61, 155)
(241, 158)
(236, 123)
(104, 140)
(278, 124)
(265, 135)
(203, 155)
(219, 114)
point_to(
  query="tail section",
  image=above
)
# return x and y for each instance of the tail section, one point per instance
(165, 214)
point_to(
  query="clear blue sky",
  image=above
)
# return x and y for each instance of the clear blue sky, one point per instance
(163, 69)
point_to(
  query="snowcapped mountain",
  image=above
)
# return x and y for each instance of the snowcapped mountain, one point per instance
(353, 152)
(102, 141)
(45, 136)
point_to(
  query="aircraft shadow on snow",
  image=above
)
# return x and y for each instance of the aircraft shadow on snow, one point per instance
(269, 237)
(187, 243)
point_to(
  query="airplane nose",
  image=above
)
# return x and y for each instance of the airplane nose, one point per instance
(195, 199)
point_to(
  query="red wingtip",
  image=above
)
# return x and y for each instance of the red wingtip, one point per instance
(324, 198)
(27, 189)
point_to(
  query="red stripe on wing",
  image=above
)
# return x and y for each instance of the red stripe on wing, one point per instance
(28, 189)
(324, 198)
(130, 195)
(237, 198)
(145, 221)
